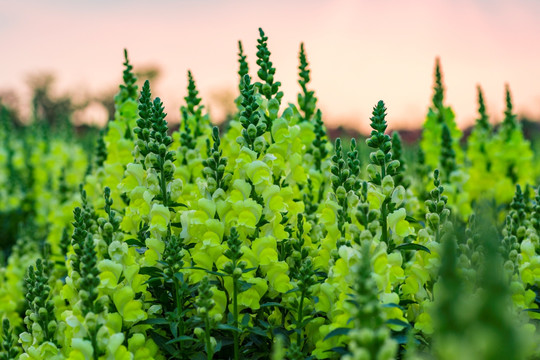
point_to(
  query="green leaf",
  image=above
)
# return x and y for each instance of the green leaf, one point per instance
(411, 246)
(208, 271)
(245, 320)
(181, 338)
(155, 321)
(150, 270)
(258, 331)
(398, 323)
(134, 242)
(161, 341)
(228, 327)
(406, 302)
(268, 304)
(337, 332)
(341, 350)
(392, 305)
(244, 285)
(175, 204)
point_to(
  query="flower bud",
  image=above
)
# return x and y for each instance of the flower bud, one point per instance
(433, 219)
(202, 311)
(252, 131)
(52, 326)
(108, 228)
(398, 196)
(168, 167)
(258, 144)
(211, 184)
(198, 332)
(237, 273)
(341, 193)
(387, 185)
(42, 312)
(509, 266)
(365, 235)
(241, 141)
(521, 232)
(151, 160)
(393, 165)
(373, 226)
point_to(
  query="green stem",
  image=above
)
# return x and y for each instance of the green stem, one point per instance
(384, 235)
(179, 302)
(300, 320)
(235, 317)
(209, 351)
(93, 339)
(163, 184)
(384, 225)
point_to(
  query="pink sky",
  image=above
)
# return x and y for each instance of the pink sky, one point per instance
(359, 51)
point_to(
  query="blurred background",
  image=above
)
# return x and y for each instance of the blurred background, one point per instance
(65, 57)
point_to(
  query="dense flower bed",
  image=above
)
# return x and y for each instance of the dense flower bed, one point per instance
(267, 240)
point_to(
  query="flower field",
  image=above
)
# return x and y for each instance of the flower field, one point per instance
(266, 239)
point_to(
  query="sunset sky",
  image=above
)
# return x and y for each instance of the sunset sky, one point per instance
(359, 51)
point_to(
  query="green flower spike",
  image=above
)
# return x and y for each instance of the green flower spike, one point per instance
(514, 231)
(193, 109)
(128, 90)
(79, 236)
(448, 319)
(153, 141)
(438, 214)
(39, 320)
(307, 101)
(482, 122)
(269, 89)
(204, 303)
(9, 347)
(235, 268)
(65, 241)
(448, 155)
(510, 122)
(111, 225)
(438, 88)
(397, 154)
(101, 150)
(253, 128)
(370, 337)
(382, 168)
(214, 166)
(243, 67)
(142, 131)
(89, 280)
(305, 280)
(340, 176)
(318, 146)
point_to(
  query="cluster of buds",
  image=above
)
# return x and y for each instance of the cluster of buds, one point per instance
(214, 166)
